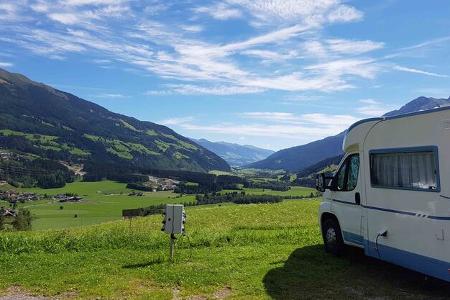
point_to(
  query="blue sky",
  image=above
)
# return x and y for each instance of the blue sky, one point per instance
(271, 73)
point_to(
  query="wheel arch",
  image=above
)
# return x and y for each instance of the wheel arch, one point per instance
(327, 215)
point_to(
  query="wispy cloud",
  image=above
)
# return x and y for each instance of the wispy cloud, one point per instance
(176, 121)
(110, 96)
(187, 89)
(353, 46)
(270, 116)
(417, 71)
(285, 50)
(309, 12)
(373, 108)
(192, 28)
(220, 11)
(275, 125)
(5, 64)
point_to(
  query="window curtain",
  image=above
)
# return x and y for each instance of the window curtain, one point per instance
(404, 170)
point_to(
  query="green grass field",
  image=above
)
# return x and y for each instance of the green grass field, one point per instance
(103, 201)
(230, 251)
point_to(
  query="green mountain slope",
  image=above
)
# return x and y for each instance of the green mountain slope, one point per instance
(299, 157)
(39, 121)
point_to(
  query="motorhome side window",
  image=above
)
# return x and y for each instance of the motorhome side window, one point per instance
(347, 176)
(405, 169)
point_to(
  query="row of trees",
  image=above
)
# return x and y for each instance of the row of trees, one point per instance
(270, 185)
(215, 198)
(44, 173)
(238, 198)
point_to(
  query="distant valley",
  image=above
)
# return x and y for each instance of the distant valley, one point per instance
(234, 154)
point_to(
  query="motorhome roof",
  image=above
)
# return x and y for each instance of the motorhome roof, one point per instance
(398, 116)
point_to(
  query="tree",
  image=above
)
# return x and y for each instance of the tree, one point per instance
(22, 221)
(2, 221)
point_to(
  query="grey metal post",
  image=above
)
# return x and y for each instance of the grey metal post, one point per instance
(172, 246)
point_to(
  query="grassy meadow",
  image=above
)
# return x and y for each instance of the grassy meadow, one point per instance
(102, 202)
(256, 251)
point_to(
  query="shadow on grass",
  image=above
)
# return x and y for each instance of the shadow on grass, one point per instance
(144, 264)
(309, 272)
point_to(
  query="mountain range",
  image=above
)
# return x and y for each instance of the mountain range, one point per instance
(38, 121)
(300, 157)
(234, 154)
(42, 127)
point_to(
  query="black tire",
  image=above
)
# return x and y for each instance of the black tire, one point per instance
(332, 237)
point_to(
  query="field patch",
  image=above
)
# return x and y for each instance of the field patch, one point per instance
(103, 201)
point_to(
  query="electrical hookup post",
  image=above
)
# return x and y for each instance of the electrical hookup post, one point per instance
(173, 224)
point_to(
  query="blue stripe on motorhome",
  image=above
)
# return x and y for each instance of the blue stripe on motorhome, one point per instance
(406, 213)
(353, 238)
(345, 202)
(423, 264)
(390, 210)
(439, 218)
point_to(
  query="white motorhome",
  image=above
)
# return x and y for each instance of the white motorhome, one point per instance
(391, 192)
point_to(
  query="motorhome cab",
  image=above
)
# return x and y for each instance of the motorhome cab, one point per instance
(391, 192)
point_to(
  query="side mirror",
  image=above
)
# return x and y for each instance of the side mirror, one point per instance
(324, 182)
(320, 182)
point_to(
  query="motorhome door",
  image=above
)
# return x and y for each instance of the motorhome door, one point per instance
(346, 199)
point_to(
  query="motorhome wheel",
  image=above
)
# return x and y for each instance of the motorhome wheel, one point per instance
(332, 237)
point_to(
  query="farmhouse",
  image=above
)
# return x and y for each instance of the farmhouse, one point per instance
(14, 196)
(7, 212)
(67, 198)
(162, 184)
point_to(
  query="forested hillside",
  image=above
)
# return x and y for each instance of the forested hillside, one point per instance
(47, 134)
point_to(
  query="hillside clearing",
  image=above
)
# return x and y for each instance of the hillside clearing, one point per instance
(236, 251)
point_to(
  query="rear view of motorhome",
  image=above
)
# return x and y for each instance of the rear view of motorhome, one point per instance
(391, 192)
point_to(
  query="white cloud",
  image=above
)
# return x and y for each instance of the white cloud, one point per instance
(373, 108)
(428, 43)
(271, 116)
(187, 89)
(304, 58)
(5, 64)
(312, 13)
(341, 121)
(270, 55)
(276, 37)
(158, 93)
(176, 121)
(417, 71)
(92, 2)
(352, 46)
(65, 18)
(310, 126)
(365, 68)
(345, 13)
(220, 11)
(110, 95)
(192, 28)
(101, 61)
